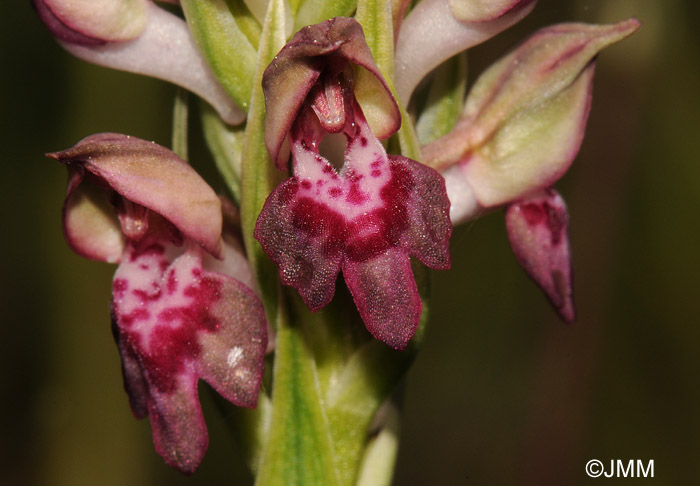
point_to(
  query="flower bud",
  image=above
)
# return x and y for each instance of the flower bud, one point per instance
(525, 117)
(432, 33)
(138, 37)
(538, 231)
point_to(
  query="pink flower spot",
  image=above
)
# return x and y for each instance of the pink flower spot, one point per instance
(171, 282)
(119, 286)
(356, 196)
(145, 296)
(139, 314)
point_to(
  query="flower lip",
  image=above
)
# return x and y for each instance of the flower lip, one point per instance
(176, 321)
(151, 176)
(316, 51)
(365, 219)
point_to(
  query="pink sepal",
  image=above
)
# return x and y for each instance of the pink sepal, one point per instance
(143, 173)
(329, 46)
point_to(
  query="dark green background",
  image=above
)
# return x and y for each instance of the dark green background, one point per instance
(502, 392)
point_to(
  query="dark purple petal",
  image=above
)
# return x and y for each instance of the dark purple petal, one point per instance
(135, 383)
(328, 46)
(179, 432)
(232, 358)
(538, 233)
(386, 296)
(151, 176)
(428, 222)
(305, 239)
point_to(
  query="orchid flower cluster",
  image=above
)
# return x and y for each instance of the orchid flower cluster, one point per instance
(333, 166)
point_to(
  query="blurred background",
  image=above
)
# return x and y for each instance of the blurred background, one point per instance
(502, 393)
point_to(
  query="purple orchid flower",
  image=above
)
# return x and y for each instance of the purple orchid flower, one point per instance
(182, 306)
(521, 128)
(365, 219)
(139, 37)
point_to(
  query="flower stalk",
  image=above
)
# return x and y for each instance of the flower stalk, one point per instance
(213, 289)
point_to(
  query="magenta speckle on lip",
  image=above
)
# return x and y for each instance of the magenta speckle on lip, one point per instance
(175, 337)
(355, 195)
(119, 286)
(174, 320)
(144, 296)
(171, 285)
(135, 315)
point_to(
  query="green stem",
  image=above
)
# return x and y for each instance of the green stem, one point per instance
(298, 450)
(258, 174)
(225, 144)
(180, 114)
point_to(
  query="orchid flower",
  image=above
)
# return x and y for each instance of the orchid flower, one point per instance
(182, 306)
(139, 37)
(366, 218)
(522, 126)
(436, 30)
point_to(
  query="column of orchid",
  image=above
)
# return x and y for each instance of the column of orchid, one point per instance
(305, 110)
